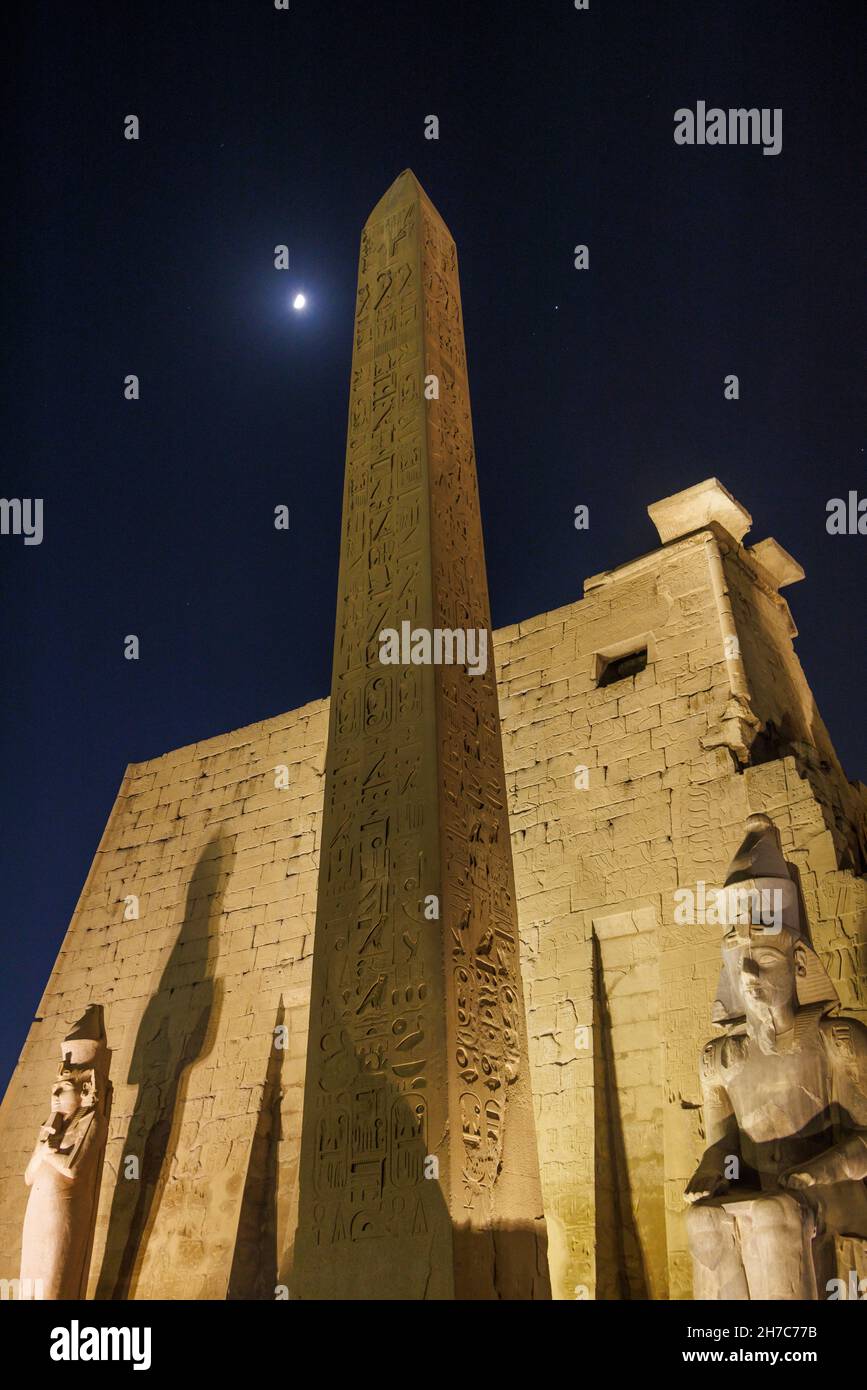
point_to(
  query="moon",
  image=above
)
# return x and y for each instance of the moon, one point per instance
(299, 302)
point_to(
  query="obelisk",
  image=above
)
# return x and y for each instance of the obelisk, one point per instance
(419, 1173)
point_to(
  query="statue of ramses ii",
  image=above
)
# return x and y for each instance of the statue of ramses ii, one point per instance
(785, 1099)
(64, 1172)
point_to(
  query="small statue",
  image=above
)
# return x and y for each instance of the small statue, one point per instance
(65, 1170)
(785, 1099)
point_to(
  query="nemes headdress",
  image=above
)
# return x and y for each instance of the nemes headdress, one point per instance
(759, 874)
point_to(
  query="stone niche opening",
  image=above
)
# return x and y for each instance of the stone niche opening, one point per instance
(623, 659)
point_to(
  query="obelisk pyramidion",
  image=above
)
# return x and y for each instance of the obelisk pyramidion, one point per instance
(419, 1173)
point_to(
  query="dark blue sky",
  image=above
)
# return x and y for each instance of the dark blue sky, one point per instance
(261, 127)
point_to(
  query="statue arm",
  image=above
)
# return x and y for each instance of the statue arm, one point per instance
(846, 1044)
(723, 1136)
(68, 1162)
(59, 1161)
(845, 1162)
(47, 1134)
(35, 1160)
(853, 1156)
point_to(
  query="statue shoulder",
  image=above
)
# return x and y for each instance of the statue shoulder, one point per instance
(844, 1037)
(722, 1057)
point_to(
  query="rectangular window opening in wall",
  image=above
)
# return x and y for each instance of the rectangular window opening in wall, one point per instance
(617, 668)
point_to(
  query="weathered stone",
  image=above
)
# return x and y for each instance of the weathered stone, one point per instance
(418, 1171)
(692, 509)
(194, 989)
(785, 1100)
(65, 1169)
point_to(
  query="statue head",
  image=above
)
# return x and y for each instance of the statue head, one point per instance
(81, 1080)
(768, 958)
(74, 1090)
(770, 967)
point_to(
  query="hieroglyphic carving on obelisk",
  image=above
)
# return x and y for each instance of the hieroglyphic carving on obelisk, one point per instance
(419, 1174)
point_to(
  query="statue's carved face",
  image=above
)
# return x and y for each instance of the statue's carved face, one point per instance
(768, 969)
(65, 1098)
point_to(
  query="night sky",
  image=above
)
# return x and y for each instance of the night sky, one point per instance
(603, 387)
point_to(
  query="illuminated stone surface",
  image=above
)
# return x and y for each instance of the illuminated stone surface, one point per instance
(223, 854)
(64, 1171)
(781, 1182)
(417, 1055)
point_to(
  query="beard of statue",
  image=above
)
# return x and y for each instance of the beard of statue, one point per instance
(769, 973)
(763, 1026)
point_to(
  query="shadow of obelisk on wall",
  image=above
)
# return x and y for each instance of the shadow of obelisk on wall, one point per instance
(254, 1263)
(620, 1270)
(176, 1031)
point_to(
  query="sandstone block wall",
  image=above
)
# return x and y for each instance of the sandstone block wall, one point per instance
(619, 1121)
(224, 866)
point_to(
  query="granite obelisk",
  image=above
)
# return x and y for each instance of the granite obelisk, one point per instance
(419, 1173)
